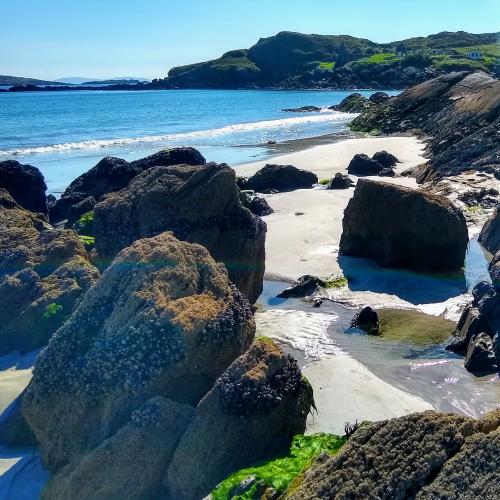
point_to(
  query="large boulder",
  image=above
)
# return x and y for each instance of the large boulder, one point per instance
(387, 160)
(280, 178)
(362, 164)
(112, 174)
(367, 320)
(25, 184)
(424, 455)
(163, 320)
(480, 356)
(490, 233)
(200, 204)
(255, 408)
(340, 181)
(43, 274)
(402, 227)
(353, 103)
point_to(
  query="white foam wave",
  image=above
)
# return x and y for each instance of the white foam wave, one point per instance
(186, 136)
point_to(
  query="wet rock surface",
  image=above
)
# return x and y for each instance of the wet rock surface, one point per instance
(280, 178)
(43, 274)
(490, 233)
(199, 204)
(402, 227)
(305, 285)
(367, 320)
(353, 103)
(423, 455)
(25, 184)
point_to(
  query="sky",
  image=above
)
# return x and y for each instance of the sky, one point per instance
(51, 39)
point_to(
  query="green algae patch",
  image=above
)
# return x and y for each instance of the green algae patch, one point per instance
(88, 241)
(52, 310)
(338, 282)
(414, 327)
(324, 182)
(280, 472)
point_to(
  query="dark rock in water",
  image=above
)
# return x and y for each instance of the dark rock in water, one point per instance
(305, 285)
(199, 204)
(43, 274)
(353, 103)
(486, 198)
(259, 206)
(25, 184)
(255, 408)
(367, 320)
(163, 320)
(490, 234)
(379, 97)
(402, 227)
(303, 109)
(112, 174)
(361, 165)
(480, 356)
(425, 455)
(280, 178)
(340, 181)
(386, 159)
(14, 430)
(80, 208)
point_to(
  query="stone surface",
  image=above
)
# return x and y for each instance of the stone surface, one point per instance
(14, 430)
(362, 164)
(305, 285)
(280, 178)
(302, 109)
(367, 320)
(163, 320)
(259, 206)
(490, 233)
(424, 455)
(480, 356)
(386, 159)
(252, 413)
(25, 184)
(403, 227)
(340, 181)
(379, 97)
(200, 204)
(43, 275)
(112, 174)
(353, 103)
(80, 208)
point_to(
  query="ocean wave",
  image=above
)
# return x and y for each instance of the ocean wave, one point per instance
(325, 116)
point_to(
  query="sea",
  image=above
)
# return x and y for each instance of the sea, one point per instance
(66, 133)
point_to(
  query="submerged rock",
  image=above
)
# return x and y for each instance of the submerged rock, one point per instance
(367, 320)
(280, 178)
(305, 285)
(340, 181)
(199, 204)
(163, 320)
(402, 227)
(43, 274)
(252, 413)
(112, 174)
(424, 455)
(25, 184)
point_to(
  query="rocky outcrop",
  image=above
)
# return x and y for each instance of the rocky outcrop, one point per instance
(112, 174)
(280, 178)
(302, 109)
(379, 97)
(367, 320)
(425, 455)
(256, 204)
(353, 103)
(387, 160)
(25, 184)
(340, 181)
(362, 164)
(163, 320)
(402, 227)
(305, 285)
(490, 234)
(253, 411)
(43, 275)
(460, 114)
(199, 204)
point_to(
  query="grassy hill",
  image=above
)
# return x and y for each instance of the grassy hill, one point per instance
(8, 81)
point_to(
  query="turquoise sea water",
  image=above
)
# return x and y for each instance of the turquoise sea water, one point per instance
(66, 133)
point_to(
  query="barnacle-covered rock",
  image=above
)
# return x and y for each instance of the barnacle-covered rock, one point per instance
(163, 319)
(43, 274)
(199, 204)
(255, 408)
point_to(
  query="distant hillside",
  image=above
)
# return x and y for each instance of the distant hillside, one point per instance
(295, 60)
(6, 81)
(114, 81)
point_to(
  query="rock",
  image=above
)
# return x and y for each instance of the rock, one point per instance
(486, 198)
(200, 204)
(387, 172)
(130, 463)
(163, 320)
(490, 233)
(480, 356)
(280, 178)
(259, 206)
(43, 274)
(14, 430)
(361, 165)
(305, 285)
(25, 184)
(424, 455)
(79, 209)
(367, 320)
(386, 159)
(112, 174)
(379, 97)
(494, 270)
(251, 414)
(303, 109)
(353, 103)
(340, 181)
(402, 227)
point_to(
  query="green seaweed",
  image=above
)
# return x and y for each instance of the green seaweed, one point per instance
(337, 282)
(85, 224)
(324, 182)
(88, 241)
(280, 472)
(52, 310)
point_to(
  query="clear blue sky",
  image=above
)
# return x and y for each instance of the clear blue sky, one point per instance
(104, 38)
